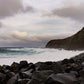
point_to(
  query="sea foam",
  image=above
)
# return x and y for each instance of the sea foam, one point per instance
(10, 55)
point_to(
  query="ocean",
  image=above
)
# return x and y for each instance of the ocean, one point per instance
(10, 55)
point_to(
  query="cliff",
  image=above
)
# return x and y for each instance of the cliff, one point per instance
(75, 42)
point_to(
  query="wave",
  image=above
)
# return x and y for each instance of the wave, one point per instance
(9, 55)
(13, 52)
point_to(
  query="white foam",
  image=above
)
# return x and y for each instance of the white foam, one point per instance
(47, 55)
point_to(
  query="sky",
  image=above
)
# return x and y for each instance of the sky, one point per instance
(32, 23)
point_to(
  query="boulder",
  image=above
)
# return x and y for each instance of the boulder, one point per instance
(23, 64)
(61, 78)
(26, 74)
(31, 66)
(41, 75)
(9, 75)
(14, 67)
(2, 78)
(81, 73)
(34, 81)
(23, 81)
(13, 80)
(54, 66)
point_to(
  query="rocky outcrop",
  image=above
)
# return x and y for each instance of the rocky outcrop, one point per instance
(67, 71)
(75, 42)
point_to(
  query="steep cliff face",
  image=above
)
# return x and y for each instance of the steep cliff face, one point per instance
(75, 42)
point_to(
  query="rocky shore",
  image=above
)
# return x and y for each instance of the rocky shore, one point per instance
(67, 71)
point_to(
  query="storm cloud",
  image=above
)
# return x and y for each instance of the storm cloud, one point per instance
(11, 7)
(74, 12)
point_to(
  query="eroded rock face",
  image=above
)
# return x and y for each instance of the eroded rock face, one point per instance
(75, 42)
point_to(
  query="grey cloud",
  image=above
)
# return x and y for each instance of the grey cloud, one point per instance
(75, 12)
(11, 7)
(1, 25)
(28, 8)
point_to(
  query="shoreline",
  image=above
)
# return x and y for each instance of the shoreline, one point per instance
(49, 72)
(36, 55)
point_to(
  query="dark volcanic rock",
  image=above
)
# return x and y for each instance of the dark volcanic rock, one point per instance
(34, 81)
(54, 66)
(62, 79)
(41, 75)
(23, 81)
(23, 64)
(26, 74)
(14, 67)
(2, 78)
(67, 71)
(13, 80)
(75, 42)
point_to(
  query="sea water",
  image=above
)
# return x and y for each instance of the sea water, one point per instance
(10, 55)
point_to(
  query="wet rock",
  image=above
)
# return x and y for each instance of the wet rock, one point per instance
(26, 74)
(23, 81)
(2, 78)
(13, 80)
(31, 66)
(14, 67)
(82, 64)
(65, 61)
(81, 80)
(6, 67)
(72, 67)
(68, 61)
(81, 73)
(53, 66)
(34, 81)
(61, 79)
(68, 69)
(0, 67)
(9, 75)
(23, 64)
(76, 67)
(71, 60)
(75, 73)
(41, 75)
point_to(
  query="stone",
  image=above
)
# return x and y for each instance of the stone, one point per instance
(23, 81)
(13, 80)
(71, 60)
(41, 75)
(75, 73)
(65, 61)
(2, 78)
(14, 67)
(61, 78)
(23, 64)
(34, 81)
(81, 73)
(26, 74)
(10, 75)
(53, 66)
(31, 66)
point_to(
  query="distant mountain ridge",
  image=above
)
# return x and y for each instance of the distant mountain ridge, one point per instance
(75, 42)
